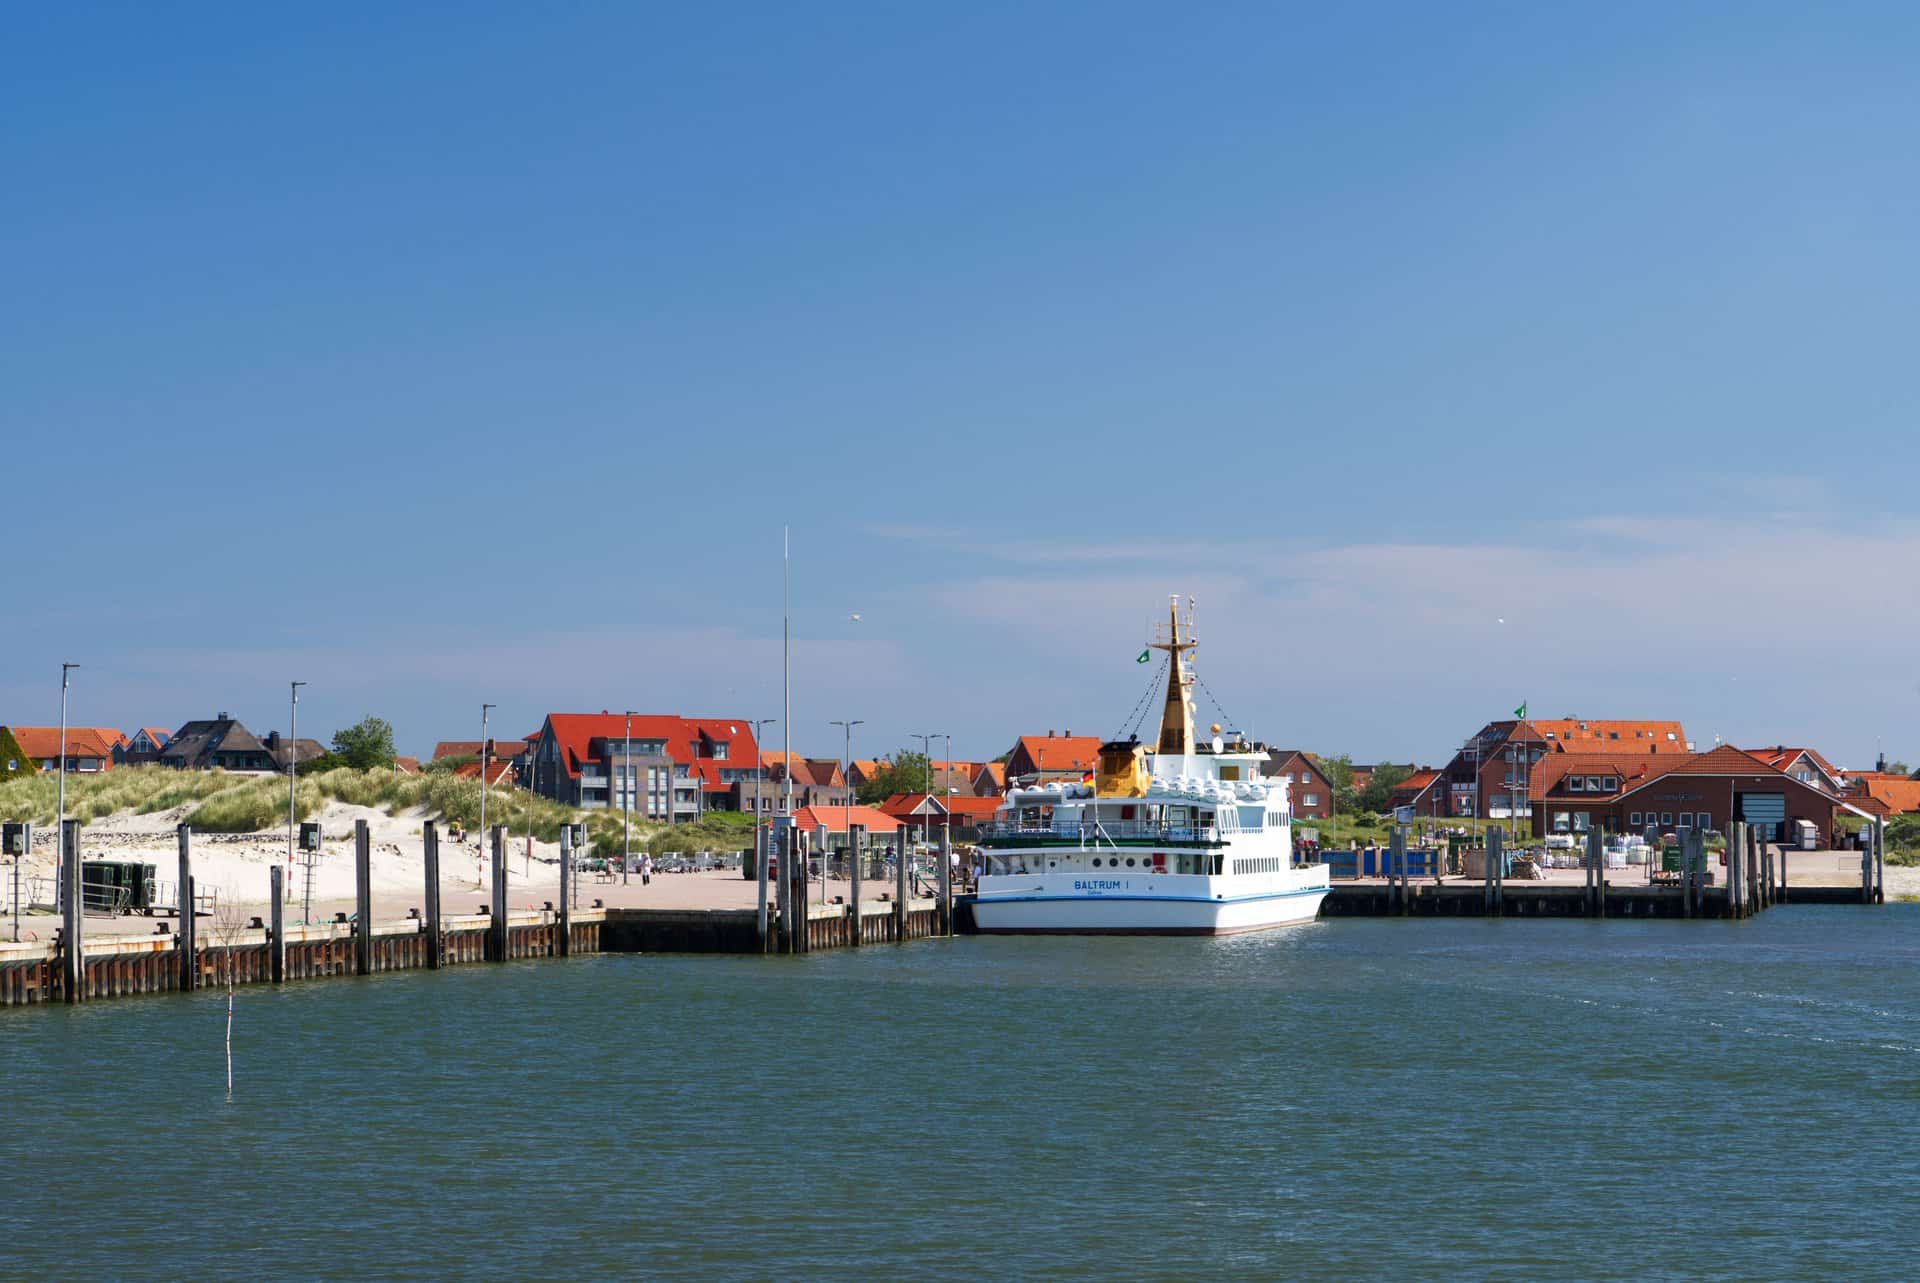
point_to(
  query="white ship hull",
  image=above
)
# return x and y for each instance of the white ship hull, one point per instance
(1150, 905)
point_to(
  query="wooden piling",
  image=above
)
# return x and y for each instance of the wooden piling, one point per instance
(779, 846)
(188, 940)
(73, 959)
(1736, 849)
(1396, 888)
(566, 898)
(277, 939)
(900, 891)
(1687, 875)
(1493, 858)
(853, 872)
(362, 899)
(497, 929)
(760, 834)
(945, 926)
(793, 868)
(1597, 866)
(1879, 861)
(430, 851)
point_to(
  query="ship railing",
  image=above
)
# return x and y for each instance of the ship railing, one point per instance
(1094, 832)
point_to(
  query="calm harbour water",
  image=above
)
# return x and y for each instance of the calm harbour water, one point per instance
(1415, 1099)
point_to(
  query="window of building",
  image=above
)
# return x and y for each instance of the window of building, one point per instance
(720, 755)
(1609, 783)
(1576, 784)
(1593, 783)
(1613, 735)
(1634, 819)
(1686, 820)
(1671, 736)
(1305, 778)
(1306, 799)
(1666, 818)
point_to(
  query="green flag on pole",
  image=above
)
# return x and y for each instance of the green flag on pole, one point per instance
(1143, 656)
(1522, 710)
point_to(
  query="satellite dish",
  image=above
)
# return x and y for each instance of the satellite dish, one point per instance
(1216, 744)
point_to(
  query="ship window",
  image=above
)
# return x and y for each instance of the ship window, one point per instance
(1129, 862)
(1096, 861)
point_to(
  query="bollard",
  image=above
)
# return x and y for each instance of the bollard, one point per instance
(1597, 874)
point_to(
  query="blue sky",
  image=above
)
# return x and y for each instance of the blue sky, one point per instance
(441, 354)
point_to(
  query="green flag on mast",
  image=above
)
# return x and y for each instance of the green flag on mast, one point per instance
(1522, 710)
(1143, 656)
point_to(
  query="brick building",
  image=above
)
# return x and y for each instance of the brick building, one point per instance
(1308, 787)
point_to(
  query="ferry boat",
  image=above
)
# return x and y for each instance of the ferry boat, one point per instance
(1181, 839)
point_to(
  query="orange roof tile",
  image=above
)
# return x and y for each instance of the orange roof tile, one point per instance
(1062, 752)
(1589, 735)
(836, 818)
(82, 741)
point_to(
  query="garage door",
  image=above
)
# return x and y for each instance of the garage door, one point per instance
(1765, 811)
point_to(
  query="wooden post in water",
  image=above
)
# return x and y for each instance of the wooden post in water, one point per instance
(566, 892)
(430, 850)
(1397, 857)
(362, 899)
(1736, 851)
(1867, 839)
(1596, 863)
(1754, 882)
(498, 931)
(778, 845)
(1880, 860)
(1493, 860)
(900, 890)
(1686, 874)
(793, 872)
(853, 877)
(760, 832)
(73, 959)
(277, 941)
(186, 943)
(946, 878)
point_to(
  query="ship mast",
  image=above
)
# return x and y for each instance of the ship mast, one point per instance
(1176, 721)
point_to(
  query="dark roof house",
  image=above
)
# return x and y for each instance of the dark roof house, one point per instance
(216, 743)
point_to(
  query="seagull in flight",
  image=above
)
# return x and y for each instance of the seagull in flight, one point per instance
(854, 618)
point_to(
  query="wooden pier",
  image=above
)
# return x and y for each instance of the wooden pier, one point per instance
(829, 926)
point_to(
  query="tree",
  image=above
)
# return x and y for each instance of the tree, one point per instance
(13, 761)
(1339, 773)
(1898, 768)
(1379, 789)
(366, 744)
(904, 772)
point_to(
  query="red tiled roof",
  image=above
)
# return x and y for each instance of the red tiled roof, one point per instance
(996, 773)
(1061, 752)
(836, 818)
(406, 765)
(1546, 774)
(82, 741)
(1781, 756)
(1416, 783)
(1725, 760)
(1899, 795)
(575, 732)
(158, 734)
(498, 771)
(902, 805)
(816, 772)
(1587, 735)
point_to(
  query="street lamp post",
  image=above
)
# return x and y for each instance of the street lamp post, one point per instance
(846, 803)
(485, 709)
(60, 823)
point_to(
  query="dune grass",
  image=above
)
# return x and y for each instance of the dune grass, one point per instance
(223, 803)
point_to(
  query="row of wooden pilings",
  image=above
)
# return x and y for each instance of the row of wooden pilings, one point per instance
(74, 969)
(794, 926)
(1756, 879)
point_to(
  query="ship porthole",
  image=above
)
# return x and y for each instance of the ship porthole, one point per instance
(1129, 862)
(1096, 861)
